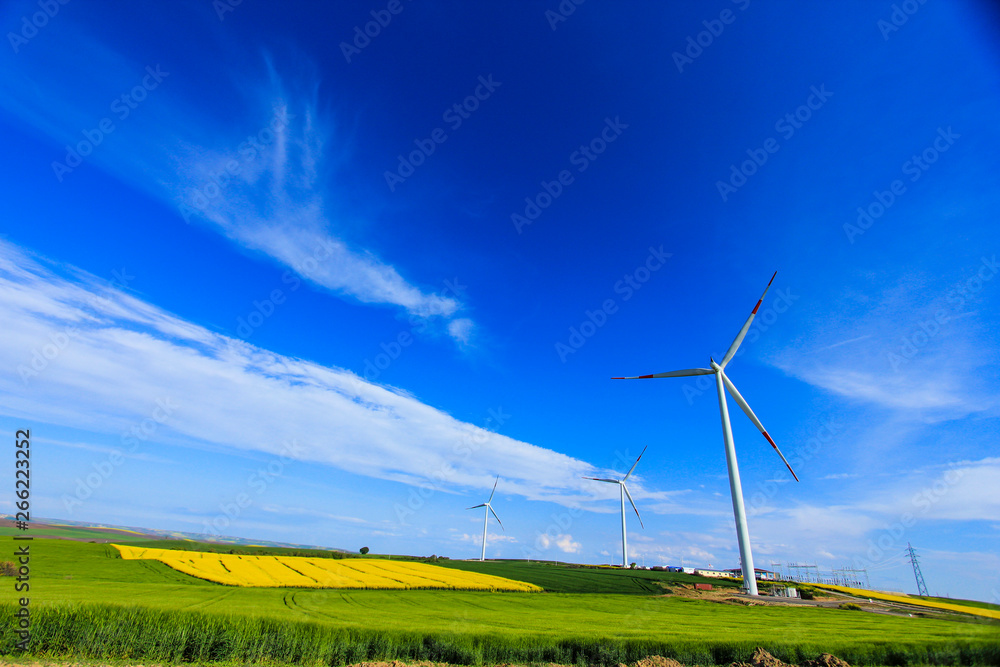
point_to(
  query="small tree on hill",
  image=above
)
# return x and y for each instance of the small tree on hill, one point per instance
(364, 550)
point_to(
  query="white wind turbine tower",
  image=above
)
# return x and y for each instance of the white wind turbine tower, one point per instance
(489, 508)
(623, 491)
(722, 384)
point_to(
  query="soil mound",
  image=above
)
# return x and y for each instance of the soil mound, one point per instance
(762, 658)
(658, 661)
(826, 660)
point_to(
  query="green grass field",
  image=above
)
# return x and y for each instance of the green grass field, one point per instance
(559, 578)
(88, 603)
(74, 533)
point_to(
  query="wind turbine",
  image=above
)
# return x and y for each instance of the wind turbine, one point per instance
(489, 508)
(623, 491)
(723, 384)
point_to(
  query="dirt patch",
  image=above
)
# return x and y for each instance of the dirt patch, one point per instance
(826, 660)
(658, 661)
(721, 594)
(761, 658)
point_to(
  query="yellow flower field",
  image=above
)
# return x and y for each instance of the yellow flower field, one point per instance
(297, 571)
(906, 599)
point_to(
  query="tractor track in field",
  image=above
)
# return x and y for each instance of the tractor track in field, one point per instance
(204, 604)
(470, 603)
(289, 600)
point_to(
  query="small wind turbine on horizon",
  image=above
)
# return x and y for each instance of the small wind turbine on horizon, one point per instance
(723, 384)
(486, 519)
(623, 491)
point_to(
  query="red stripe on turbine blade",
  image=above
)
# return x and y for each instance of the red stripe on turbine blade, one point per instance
(779, 453)
(765, 292)
(644, 377)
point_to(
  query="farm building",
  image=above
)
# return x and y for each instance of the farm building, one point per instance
(762, 575)
(712, 573)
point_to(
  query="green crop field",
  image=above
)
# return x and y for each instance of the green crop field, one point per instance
(559, 578)
(74, 533)
(88, 603)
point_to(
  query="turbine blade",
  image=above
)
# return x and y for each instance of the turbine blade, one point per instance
(743, 332)
(601, 479)
(494, 489)
(634, 464)
(497, 518)
(476, 507)
(633, 504)
(671, 374)
(756, 422)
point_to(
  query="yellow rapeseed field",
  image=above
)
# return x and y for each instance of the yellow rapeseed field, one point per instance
(296, 571)
(906, 599)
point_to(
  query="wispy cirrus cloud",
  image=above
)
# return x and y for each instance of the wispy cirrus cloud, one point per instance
(269, 193)
(264, 175)
(914, 347)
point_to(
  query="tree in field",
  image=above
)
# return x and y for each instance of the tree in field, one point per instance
(364, 550)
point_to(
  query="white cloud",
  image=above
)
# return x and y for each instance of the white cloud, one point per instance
(917, 354)
(676, 548)
(301, 511)
(461, 329)
(873, 528)
(261, 175)
(960, 491)
(274, 204)
(491, 538)
(563, 542)
(99, 360)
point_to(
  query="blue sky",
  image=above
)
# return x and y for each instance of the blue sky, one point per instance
(262, 276)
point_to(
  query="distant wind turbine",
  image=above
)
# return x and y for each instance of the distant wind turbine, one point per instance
(722, 384)
(487, 511)
(623, 491)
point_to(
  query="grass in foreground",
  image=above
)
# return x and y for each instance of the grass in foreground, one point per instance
(131, 633)
(86, 603)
